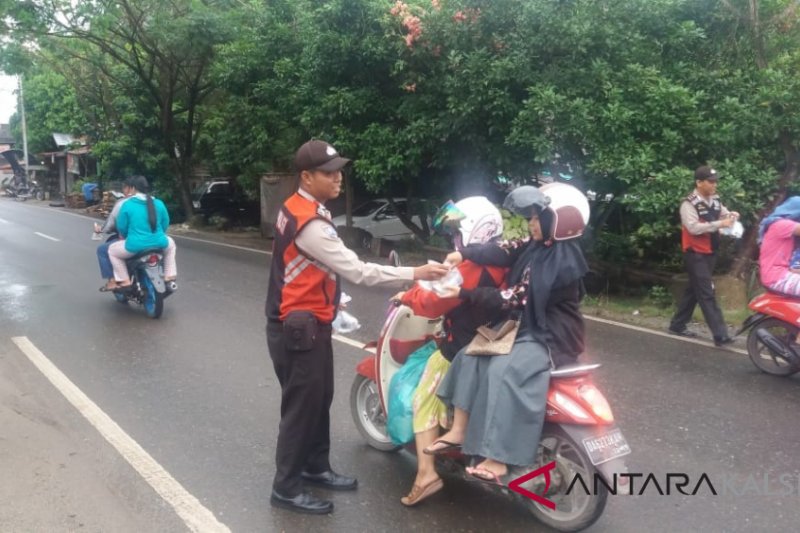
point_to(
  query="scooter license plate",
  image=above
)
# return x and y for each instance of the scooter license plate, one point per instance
(604, 448)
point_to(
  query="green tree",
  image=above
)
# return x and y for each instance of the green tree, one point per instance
(153, 56)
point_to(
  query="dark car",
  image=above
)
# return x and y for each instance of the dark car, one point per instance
(222, 198)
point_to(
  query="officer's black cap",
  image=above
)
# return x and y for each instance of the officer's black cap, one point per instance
(318, 155)
(705, 173)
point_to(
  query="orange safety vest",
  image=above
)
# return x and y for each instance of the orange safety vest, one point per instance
(705, 243)
(297, 281)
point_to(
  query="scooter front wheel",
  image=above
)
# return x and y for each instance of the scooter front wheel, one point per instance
(367, 411)
(765, 358)
(575, 510)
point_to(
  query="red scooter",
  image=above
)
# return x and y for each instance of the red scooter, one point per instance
(773, 329)
(579, 438)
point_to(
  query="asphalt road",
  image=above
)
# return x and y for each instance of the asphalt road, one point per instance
(196, 392)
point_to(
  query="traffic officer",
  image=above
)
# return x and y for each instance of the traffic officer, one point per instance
(702, 216)
(308, 258)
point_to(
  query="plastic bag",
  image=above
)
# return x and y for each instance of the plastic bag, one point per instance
(400, 419)
(451, 279)
(345, 322)
(736, 230)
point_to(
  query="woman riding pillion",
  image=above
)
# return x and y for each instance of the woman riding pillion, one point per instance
(473, 221)
(142, 224)
(500, 401)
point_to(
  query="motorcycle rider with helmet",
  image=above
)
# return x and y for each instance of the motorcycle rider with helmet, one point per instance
(472, 221)
(500, 401)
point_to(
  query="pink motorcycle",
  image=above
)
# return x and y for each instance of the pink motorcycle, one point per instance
(580, 455)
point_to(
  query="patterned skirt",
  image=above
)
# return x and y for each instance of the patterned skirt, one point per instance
(429, 410)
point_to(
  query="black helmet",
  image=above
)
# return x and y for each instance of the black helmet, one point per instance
(526, 201)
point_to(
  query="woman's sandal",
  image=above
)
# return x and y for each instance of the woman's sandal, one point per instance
(483, 475)
(434, 449)
(419, 493)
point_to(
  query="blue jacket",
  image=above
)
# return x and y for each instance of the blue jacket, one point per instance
(133, 224)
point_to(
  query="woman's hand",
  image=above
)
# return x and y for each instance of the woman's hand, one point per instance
(454, 259)
(448, 291)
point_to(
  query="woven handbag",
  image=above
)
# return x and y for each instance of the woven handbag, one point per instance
(488, 341)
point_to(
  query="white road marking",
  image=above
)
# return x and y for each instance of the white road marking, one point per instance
(662, 334)
(351, 342)
(194, 514)
(221, 244)
(46, 236)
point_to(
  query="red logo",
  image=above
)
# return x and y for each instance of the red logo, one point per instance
(541, 500)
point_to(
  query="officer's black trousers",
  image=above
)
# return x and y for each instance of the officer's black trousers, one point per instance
(306, 380)
(700, 290)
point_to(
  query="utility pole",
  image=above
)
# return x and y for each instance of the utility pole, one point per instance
(24, 130)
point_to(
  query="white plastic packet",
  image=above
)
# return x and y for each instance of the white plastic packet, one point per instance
(97, 236)
(736, 230)
(345, 322)
(451, 279)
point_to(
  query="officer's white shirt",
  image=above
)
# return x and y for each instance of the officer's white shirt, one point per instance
(319, 240)
(691, 220)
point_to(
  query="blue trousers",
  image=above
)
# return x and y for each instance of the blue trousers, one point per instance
(106, 270)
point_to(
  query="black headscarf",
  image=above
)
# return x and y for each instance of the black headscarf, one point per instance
(556, 265)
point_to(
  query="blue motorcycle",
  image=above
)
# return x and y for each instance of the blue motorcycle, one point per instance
(148, 287)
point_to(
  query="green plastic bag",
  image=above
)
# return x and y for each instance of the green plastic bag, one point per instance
(400, 422)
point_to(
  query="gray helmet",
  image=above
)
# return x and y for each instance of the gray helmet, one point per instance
(526, 201)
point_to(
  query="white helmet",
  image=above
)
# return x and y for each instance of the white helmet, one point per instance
(570, 210)
(478, 221)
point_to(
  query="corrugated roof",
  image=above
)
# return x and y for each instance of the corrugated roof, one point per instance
(63, 139)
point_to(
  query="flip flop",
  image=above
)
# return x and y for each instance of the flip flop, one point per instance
(419, 493)
(482, 475)
(105, 289)
(448, 446)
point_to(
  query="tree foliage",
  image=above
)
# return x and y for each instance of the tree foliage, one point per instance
(438, 98)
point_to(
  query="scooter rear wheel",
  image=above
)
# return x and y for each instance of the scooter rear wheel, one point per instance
(574, 511)
(761, 356)
(153, 301)
(367, 411)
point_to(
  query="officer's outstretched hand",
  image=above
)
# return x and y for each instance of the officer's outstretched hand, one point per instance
(431, 271)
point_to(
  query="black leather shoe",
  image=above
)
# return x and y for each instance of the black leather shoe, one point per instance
(302, 503)
(683, 333)
(723, 341)
(331, 480)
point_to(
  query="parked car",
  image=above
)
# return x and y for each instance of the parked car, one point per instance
(223, 198)
(377, 219)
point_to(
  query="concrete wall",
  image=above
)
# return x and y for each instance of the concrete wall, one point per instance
(275, 189)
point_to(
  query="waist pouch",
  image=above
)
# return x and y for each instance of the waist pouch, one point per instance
(300, 329)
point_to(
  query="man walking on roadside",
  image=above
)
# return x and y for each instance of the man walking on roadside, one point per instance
(702, 216)
(307, 259)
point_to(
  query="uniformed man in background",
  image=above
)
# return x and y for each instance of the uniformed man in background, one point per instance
(702, 216)
(308, 259)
